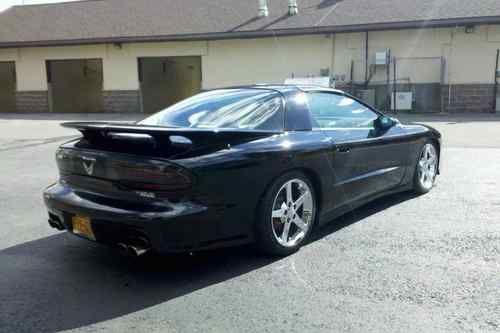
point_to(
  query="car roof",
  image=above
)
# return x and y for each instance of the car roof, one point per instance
(283, 88)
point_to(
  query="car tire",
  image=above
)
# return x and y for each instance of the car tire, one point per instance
(426, 168)
(286, 216)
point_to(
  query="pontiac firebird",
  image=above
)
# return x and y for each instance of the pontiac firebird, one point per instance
(256, 164)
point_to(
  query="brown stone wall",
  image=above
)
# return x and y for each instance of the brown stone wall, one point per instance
(468, 98)
(126, 101)
(32, 101)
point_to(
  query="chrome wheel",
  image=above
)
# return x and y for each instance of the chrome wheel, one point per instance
(427, 166)
(292, 213)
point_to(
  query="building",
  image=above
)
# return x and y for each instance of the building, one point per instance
(142, 55)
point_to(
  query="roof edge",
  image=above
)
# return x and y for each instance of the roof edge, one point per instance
(261, 33)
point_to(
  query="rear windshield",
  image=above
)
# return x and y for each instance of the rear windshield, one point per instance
(229, 108)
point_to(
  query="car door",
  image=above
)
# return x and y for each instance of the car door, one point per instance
(364, 160)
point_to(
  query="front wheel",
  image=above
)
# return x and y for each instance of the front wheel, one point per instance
(426, 169)
(287, 214)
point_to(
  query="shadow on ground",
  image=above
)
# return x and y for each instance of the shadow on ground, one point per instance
(61, 282)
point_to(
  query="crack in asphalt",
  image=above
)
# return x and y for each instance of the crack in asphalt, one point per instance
(22, 144)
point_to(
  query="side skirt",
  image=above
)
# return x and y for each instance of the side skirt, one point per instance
(338, 212)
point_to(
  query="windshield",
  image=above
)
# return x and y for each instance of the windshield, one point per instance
(228, 108)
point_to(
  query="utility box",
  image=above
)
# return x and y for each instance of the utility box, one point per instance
(381, 58)
(404, 101)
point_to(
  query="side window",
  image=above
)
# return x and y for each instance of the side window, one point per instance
(330, 110)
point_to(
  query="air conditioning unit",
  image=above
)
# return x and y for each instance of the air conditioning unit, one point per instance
(381, 58)
(404, 101)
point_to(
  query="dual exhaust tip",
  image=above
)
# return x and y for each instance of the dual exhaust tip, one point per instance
(137, 249)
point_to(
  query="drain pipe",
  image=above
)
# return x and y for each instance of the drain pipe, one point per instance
(293, 7)
(263, 8)
(495, 91)
(395, 88)
(366, 58)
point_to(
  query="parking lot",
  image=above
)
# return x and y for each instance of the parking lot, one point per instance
(402, 263)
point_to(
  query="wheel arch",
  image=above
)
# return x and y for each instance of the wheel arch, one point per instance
(316, 183)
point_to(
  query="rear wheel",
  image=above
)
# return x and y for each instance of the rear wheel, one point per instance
(287, 214)
(426, 169)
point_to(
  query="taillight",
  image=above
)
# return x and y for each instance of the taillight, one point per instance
(154, 178)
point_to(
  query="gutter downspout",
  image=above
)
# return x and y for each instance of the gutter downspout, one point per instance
(388, 98)
(495, 91)
(395, 88)
(332, 64)
(450, 63)
(366, 58)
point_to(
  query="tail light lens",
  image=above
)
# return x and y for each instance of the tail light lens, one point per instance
(155, 178)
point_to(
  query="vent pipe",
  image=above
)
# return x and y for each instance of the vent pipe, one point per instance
(293, 7)
(263, 9)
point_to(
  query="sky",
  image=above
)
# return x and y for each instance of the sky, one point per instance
(4, 4)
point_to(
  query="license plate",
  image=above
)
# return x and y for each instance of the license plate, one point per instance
(82, 226)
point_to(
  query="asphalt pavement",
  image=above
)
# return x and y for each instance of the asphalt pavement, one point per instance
(400, 264)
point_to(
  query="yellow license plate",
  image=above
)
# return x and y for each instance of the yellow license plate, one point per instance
(82, 226)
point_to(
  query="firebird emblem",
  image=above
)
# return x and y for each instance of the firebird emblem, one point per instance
(88, 165)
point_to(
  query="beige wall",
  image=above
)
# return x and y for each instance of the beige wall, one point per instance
(470, 58)
(30, 62)
(231, 62)
(266, 60)
(119, 62)
(403, 44)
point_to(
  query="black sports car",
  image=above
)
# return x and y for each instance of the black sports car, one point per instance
(263, 164)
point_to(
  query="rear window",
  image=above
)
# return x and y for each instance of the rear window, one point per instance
(229, 108)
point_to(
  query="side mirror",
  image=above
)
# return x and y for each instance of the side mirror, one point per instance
(384, 123)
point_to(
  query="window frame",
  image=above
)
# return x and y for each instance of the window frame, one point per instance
(343, 94)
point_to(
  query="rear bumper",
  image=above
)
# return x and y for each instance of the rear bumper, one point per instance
(168, 227)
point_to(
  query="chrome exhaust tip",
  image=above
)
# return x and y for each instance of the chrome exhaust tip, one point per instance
(123, 248)
(135, 250)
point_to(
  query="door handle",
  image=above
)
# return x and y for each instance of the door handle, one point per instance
(343, 149)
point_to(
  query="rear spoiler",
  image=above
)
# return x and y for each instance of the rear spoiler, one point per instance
(196, 137)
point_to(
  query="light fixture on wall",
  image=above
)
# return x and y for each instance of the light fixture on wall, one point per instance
(470, 29)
